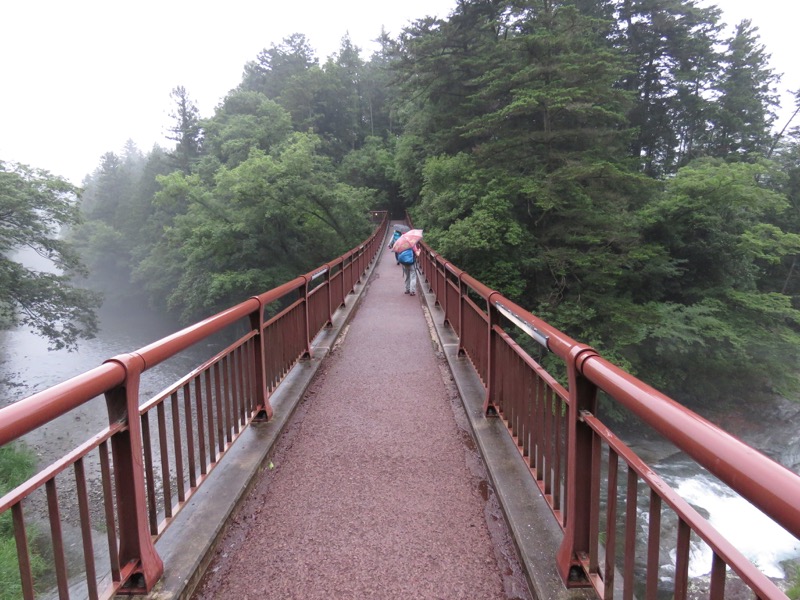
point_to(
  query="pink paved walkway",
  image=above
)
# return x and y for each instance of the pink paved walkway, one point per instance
(376, 490)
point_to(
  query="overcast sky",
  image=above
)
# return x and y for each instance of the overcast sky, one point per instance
(80, 77)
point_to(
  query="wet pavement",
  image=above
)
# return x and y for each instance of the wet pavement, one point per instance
(374, 487)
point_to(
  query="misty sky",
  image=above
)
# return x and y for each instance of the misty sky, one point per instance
(81, 77)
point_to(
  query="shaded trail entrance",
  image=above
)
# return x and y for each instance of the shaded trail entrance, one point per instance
(374, 489)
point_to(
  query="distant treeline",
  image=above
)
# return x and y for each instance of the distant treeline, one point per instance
(613, 165)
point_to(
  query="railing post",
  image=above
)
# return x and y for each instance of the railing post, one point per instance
(329, 295)
(442, 283)
(262, 407)
(135, 544)
(490, 409)
(576, 540)
(360, 264)
(441, 297)
(341, 281)
(306, 320)
(462, 292)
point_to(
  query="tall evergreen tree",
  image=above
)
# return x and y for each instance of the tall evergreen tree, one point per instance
(745, 108)
(276, 65)
(185, 130)
(340, 117)
(671, 46)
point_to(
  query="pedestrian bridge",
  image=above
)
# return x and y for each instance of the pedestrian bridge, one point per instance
(346, 440)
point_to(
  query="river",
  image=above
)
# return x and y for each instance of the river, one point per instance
(770, 426)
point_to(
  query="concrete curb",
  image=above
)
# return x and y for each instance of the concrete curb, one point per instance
(188, 545)
(531, 522)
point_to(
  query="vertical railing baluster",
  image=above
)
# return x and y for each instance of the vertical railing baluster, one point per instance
(86, 528)
(59, 559)
(558, 474)
(541, 415)
(219, 409)
(108, 507)
(306, 318)
(682, 548)
(149, 473)
(244, 383)
(329, 295)
(188, 420)
(201, 424)
(611, 525)
(631, 502)
(23, 552)
(594, 506)
(547, 437)
(177, 445)
(716, 589)
(212, 451)
(236, 386)
(653, 546)
(227, 402)
(166, 484)
(250, 377)
(526, 394)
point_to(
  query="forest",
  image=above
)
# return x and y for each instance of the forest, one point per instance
(615, 166)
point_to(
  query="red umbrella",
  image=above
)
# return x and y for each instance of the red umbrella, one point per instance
(408, 240)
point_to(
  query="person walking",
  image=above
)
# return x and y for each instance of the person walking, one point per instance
(407, 258)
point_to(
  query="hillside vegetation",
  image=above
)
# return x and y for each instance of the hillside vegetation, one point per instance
(612, 165)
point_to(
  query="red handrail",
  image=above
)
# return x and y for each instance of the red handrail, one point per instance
(768, 485)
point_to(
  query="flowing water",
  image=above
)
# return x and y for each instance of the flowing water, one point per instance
(770, 427)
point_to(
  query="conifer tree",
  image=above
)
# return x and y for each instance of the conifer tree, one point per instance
(745, 109)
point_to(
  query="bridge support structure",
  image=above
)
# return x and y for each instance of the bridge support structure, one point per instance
(140, 565)
(579, 474)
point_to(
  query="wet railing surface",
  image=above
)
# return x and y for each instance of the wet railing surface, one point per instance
(612, 507)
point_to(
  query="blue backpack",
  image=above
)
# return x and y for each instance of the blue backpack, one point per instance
(406, 257)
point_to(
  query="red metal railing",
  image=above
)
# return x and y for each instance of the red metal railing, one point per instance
(150, 466)
(578, 462)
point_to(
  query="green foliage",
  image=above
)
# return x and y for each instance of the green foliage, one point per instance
(263, 222)
(185, 131)
(743, 116)
(275, 67)
(720, 326)
(672, 47)
(711, 220)
(372, 166)
(793, 592)
(599, 162)
(244, 121)
(16, 466)
(35, 206)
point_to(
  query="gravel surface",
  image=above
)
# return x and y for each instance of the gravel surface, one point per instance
(375, 489)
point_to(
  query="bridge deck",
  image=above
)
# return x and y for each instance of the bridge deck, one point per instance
(374, 487)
